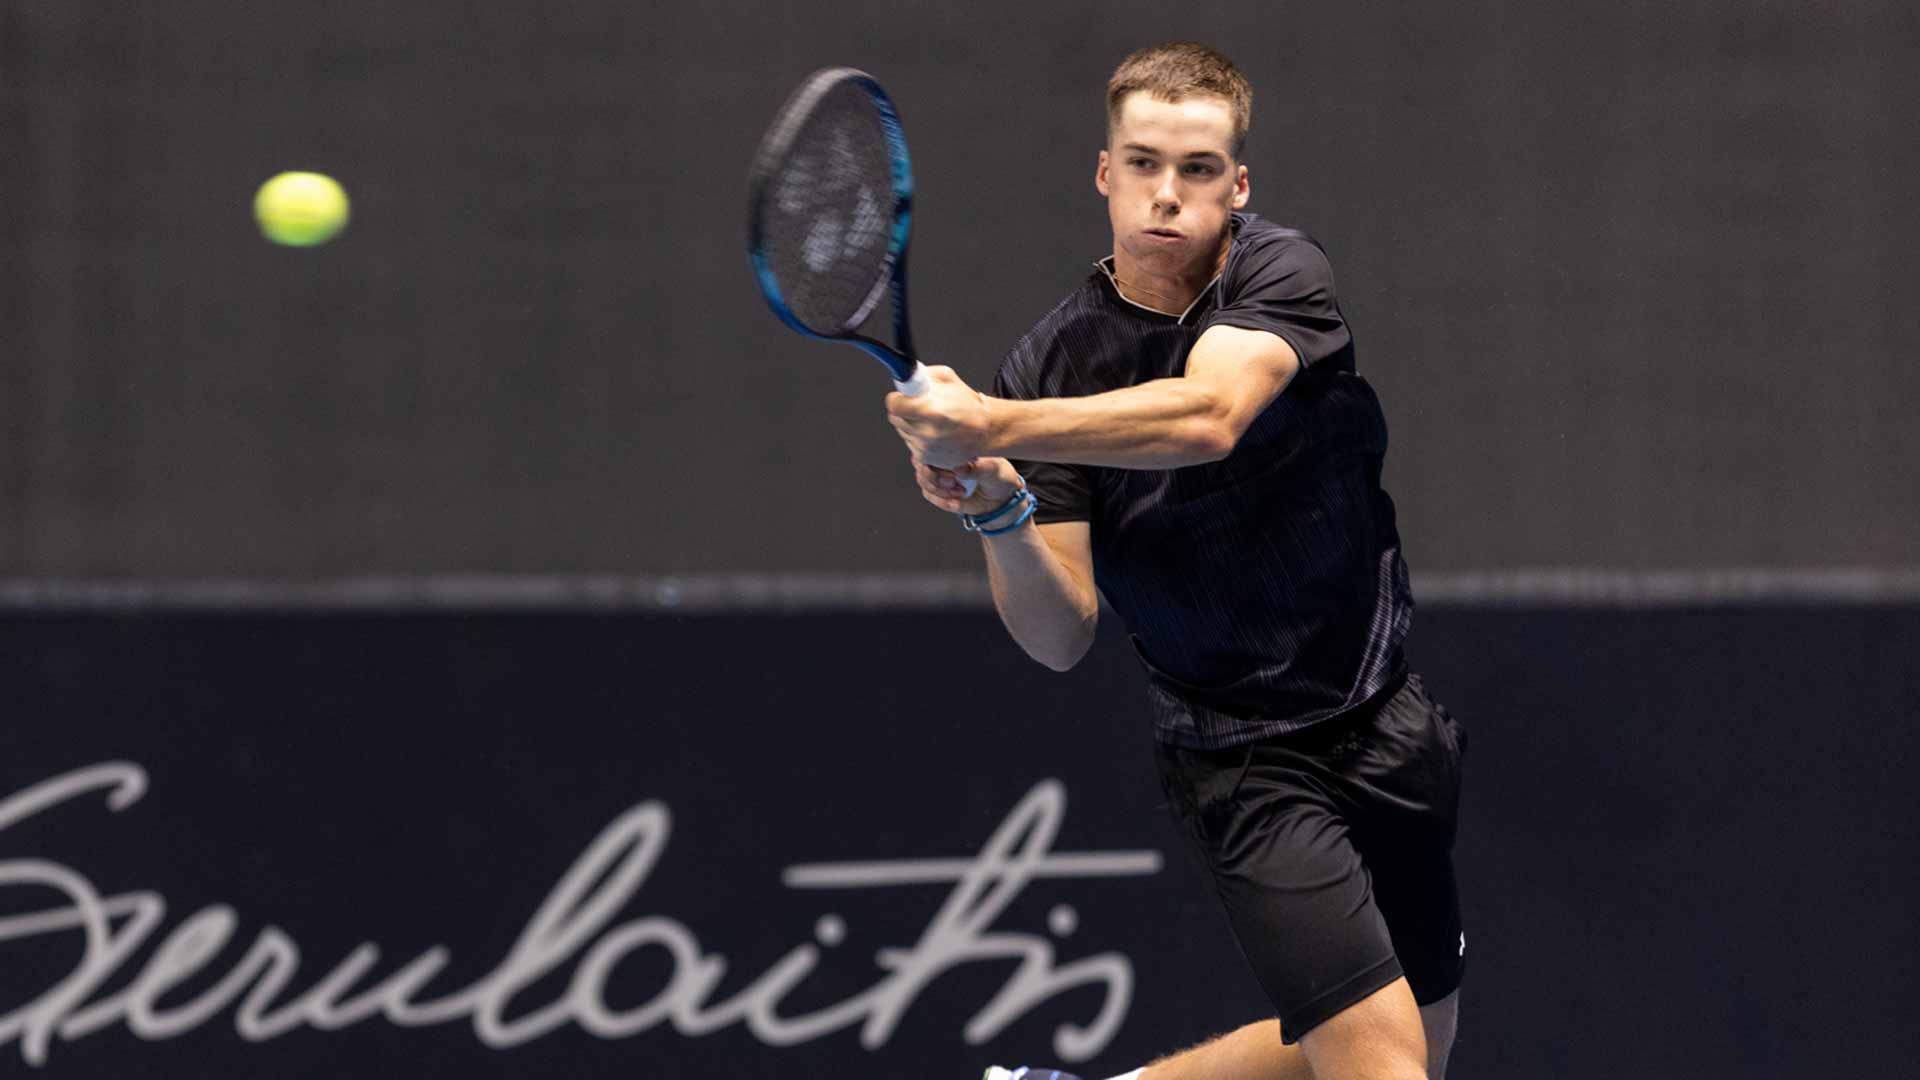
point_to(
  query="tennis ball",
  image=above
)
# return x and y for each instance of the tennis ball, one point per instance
(300, 209)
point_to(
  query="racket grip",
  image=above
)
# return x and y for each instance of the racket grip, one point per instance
(915, 385)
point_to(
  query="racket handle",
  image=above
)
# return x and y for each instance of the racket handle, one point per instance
(915, 385)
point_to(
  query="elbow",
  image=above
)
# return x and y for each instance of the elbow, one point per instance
(1219, 442)
(1063, 654)
(1212, 439)
(1212, 433)
(1062, 662)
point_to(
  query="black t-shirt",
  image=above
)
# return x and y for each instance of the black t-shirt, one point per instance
(1265, 592)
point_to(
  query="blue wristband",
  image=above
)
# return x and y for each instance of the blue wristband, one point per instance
(972, 523)
(1032, 505)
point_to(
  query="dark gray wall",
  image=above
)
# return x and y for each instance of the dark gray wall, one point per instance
(1632, 278)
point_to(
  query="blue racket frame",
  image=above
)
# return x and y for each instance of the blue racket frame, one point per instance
(898, 358)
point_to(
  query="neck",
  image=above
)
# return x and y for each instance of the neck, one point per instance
(1173, 292)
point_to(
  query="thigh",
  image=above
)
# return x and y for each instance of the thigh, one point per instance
(1297, 895)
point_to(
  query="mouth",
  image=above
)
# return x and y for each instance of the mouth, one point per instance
(1164, 234)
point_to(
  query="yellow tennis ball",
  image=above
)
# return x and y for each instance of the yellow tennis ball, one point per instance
(300, 209)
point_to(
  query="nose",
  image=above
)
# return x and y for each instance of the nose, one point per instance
(1166, 197)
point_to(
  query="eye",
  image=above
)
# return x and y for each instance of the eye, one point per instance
(1140, 162)
(1198, 169)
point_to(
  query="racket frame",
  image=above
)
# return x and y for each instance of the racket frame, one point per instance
(909, 375)
(898, 358)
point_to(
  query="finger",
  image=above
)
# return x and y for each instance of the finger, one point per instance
(931, 478)
(945, 483)
(944, 500)
(951, 506)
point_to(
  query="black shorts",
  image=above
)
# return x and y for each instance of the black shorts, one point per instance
(1332, 849)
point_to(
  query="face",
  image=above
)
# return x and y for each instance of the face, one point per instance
(1170, 180)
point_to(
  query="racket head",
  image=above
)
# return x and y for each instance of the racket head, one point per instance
(830, 209)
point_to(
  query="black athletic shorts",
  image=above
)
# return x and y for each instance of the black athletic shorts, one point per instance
(1332, 849)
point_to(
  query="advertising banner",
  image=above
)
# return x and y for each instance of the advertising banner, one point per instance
(889, 845)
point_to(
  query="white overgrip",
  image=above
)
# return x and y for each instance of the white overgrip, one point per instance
(916, 383)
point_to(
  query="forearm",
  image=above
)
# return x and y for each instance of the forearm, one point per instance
(1050, 612)
(1163, 424)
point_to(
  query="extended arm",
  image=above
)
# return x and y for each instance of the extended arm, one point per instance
(1232, 374)
(1041, 575)
(1042, 578)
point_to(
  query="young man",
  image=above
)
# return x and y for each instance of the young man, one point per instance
(1198, 446)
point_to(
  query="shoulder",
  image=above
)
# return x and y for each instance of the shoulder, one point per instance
(1267, 256)
(1278, 280)
(1261, 242)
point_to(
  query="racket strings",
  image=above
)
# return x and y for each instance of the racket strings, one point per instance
(828, 225)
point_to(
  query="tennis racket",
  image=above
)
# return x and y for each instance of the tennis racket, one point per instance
(830, 207)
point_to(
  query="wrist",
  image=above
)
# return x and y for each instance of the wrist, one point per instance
(1008, 529)
(1016, 511)
(998, 425)
(1002, 510)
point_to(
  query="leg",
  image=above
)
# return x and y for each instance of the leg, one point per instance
(1380, 1038)
(1255, 1051)
(1332, 851)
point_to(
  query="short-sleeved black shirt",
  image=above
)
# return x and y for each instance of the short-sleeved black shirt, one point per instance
(1265, 592)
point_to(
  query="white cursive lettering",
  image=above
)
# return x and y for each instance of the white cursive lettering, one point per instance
(570, 926)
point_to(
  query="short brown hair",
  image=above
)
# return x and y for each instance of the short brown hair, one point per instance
(1178, 70)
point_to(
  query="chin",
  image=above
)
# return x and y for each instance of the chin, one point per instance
(1170, 257)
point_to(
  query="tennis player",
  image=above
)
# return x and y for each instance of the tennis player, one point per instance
(1187, 434)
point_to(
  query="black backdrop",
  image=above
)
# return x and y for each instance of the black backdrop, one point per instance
(1633, 278)
(1632, 281)
(1686, 849)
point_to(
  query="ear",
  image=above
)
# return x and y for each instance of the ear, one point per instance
(1242, 189)
(1100, 176)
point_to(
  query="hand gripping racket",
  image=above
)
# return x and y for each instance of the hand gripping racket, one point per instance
(830, 206)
